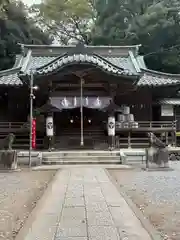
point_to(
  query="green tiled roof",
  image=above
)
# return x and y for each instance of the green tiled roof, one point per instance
(113, 67)
(121, 62)
(116, 60)
(156, 79)
(10, 77)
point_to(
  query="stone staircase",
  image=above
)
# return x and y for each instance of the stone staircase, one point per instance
(82, 157)
(123, 156)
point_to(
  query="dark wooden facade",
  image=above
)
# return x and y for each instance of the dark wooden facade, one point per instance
(130, 85)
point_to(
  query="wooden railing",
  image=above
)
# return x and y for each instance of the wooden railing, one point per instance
(148, 126)
(141, 124)
(21, 131)
(138, 142)
(5, 126)
(127, 140)
(157, 124)
(23, 143)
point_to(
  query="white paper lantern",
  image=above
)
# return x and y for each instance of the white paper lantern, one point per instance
(49, 126)
(111, 126)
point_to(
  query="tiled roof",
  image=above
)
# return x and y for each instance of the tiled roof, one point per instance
(37, 62)
(114, 51)
(155, 79)
(10, 77)
(170, 101)
(122, 60)
(111, 66)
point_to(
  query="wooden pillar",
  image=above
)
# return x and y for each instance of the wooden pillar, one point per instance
(175, 136)
(166, 136)
(129, 139)
(151, 115)
(111, 114)
(50, 116)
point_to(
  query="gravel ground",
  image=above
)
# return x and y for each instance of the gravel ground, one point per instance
(157, 194)
(19, 192)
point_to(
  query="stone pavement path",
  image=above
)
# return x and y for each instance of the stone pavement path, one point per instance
(83, 204)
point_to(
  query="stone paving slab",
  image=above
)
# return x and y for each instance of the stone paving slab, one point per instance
(83, 204)
(74, 202)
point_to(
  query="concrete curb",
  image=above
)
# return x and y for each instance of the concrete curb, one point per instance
(154, 234)
(34, 214)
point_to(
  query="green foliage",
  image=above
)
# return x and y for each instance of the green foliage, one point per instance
(66, 20)
(152, 23)
(16, 27)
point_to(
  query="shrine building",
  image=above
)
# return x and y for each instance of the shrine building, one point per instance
(87, 94)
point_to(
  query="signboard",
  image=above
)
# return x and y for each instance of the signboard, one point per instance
(75, 102)
(34, 133)
(111, 126)
(49, 126)
(167, 111)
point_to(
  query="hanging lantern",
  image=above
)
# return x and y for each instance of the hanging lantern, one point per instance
(49, 126)
(111, 126)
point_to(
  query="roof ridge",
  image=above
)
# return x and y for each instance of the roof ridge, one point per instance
(90, 59)
(91, 54)
(160, 73)
(66, 54)
(18, 60)
(9, 71)
(73, 46)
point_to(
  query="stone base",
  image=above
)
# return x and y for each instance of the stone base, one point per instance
(9, 170)
(8, 159)
(23, 158)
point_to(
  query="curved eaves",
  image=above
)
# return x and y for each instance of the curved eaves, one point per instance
(95, 60)
(157, 81)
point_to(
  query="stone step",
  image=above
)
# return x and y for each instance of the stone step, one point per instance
(122, 156)
(81, 157)
(77, 154)
(87, 160)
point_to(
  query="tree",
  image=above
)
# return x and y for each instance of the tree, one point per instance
(152, 23)
(66, 20)
(16, 27)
